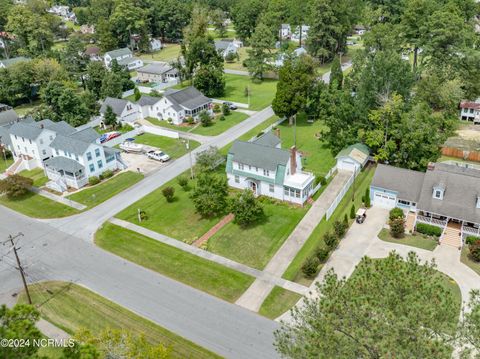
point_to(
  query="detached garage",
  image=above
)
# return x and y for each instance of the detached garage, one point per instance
(395, 187)
(353, 158)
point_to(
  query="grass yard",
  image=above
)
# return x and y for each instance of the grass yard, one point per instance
(219, 127)
(468, 261)
(417, 240)
(315, 240)
(278, 302)
(162, 123)
(261, 94)
(37, 175)
(5, 163)
(187, 268)
(169, 53)
(174, 147)
(238, 65)
(36, 206)
(255, 245)
(93, 196)
(27, 108)
(317, 157)
(72, 307)
(177, 219)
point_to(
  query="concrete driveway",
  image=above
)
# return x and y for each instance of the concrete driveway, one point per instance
(140, 161)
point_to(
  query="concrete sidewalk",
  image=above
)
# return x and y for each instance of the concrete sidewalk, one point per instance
(255, 295)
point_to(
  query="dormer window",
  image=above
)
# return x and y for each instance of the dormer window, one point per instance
(438, 192)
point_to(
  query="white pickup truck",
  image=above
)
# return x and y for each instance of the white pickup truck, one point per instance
(158, 156)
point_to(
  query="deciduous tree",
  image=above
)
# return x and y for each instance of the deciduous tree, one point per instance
(246, 208)
(210, 194)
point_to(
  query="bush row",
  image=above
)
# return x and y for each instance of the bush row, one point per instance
(93, 180)
(429, 230)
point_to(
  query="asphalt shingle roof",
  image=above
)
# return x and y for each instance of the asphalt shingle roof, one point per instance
(407, 183)
(253, 154)
(148, 100)
(88, 135)
(156, 68)
(189, 97)
(119, 52)
(69, 144)
(268, 139)
(25, 130)
(117, 105)
(64, 163)
(7, 116)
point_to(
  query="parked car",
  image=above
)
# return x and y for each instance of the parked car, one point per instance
(230, 105)
(361, 215)
(109, 136)
(158, 156)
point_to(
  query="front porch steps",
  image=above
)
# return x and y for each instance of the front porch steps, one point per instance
(452, 236)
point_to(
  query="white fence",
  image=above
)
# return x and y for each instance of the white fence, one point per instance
(339, 197)
(160, 131)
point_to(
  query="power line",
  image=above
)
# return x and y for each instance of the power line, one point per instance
(20, 268)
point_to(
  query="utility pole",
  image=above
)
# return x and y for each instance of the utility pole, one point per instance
(20, 268)
(192, 175)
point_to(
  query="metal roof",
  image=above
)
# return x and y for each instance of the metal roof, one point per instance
(253, 154)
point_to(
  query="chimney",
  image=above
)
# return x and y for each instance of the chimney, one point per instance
(293, 160)
(430, 166)
(277, 132)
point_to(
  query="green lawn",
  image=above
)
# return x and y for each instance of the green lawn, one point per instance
(187, 268)
(174, 147)
(255, 245)
(27, 108)
(37, 175)
(72, 307)
(261, 94)
(4, 164)
(362, 182)
(317, 157)
(95, 195)
(468, 261)
(219, 127)
(416, 240)
(185, 127)
(238, 65)
(36, 206)
(177, 219)
(169, 53)
(278, 302)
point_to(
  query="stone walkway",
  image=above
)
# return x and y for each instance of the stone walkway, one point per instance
(223, 222)
(260, 275)
(362, 240)
(253, 298)
(59, 199)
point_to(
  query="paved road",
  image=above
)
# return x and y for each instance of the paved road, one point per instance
(326, 75)
(236, 72)
(84, 225)
(50, 254)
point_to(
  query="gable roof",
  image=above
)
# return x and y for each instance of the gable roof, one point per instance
(87, 134)
(119, 52)
(13, 61)
(70, 144)
(25, 130)
(254, 154)
(189, 98)
(407, 183)
(221, 45)
(358, 152)
(7, 115)
(268, 139)
(117, 105)
(148, 100)
(157, 68)
(471, 104)
(127, 60)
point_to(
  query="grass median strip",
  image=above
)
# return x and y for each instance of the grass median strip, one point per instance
(278, 302)
(71, 307)
(95, 195)
(187, 268)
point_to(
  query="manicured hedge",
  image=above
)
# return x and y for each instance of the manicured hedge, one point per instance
(471, 239)
(429, 230)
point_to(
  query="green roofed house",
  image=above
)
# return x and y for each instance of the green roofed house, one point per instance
(353, 158)
(4, 63)
(264, 167)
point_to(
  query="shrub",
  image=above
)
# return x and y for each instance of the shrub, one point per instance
(322, 254)
(345, 220)
(190, 120)
(352, 212)
(246, 208)
(397, 227)
(143, 215)
(310, 267)
(137, 94)
(222, 118)
(106, 174)
(330, 240)
(340, 228)
(225, 109)
(15, 186)
(320, 179)
(367, 198)
(93, 180)
(475, 251)
(471, 239)
(205, 118)
(396, 213)
(429, 230)
(183, 182)
(216, 108)
(169, 193)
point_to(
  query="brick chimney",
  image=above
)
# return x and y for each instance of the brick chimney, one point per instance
(293, 160)
(277, 132)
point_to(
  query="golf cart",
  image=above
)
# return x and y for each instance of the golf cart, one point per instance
(361, 215)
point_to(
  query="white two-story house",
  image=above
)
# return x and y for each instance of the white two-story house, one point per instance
(124, 57)
(268, 170)
(126, 111)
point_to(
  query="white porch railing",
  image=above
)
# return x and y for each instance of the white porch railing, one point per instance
(432, 221)
(471, 231)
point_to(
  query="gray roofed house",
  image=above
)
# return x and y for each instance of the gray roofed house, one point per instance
(225, 47)
(189, 98)
(70, 144)
(157, 68)
(157, 72)
(407, 183)
(25, 130)
(7, 115)
(268, 139)
(88, 135)
(4, 63)
(148, 100)
(117, 105)
(66, 164)
(262, 156)
(5, 137)
(119, 53)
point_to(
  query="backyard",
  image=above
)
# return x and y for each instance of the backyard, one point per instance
(170, 52)
(72, 307)
(238, 64)
(177, 264)
(416, 240)
(93, 196)
(36, 206)
(174, 147)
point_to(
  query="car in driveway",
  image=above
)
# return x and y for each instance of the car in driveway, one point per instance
(158, 155)
(230, 105)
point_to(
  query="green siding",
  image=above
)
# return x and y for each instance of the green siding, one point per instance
(254, 176)
(229, 163)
